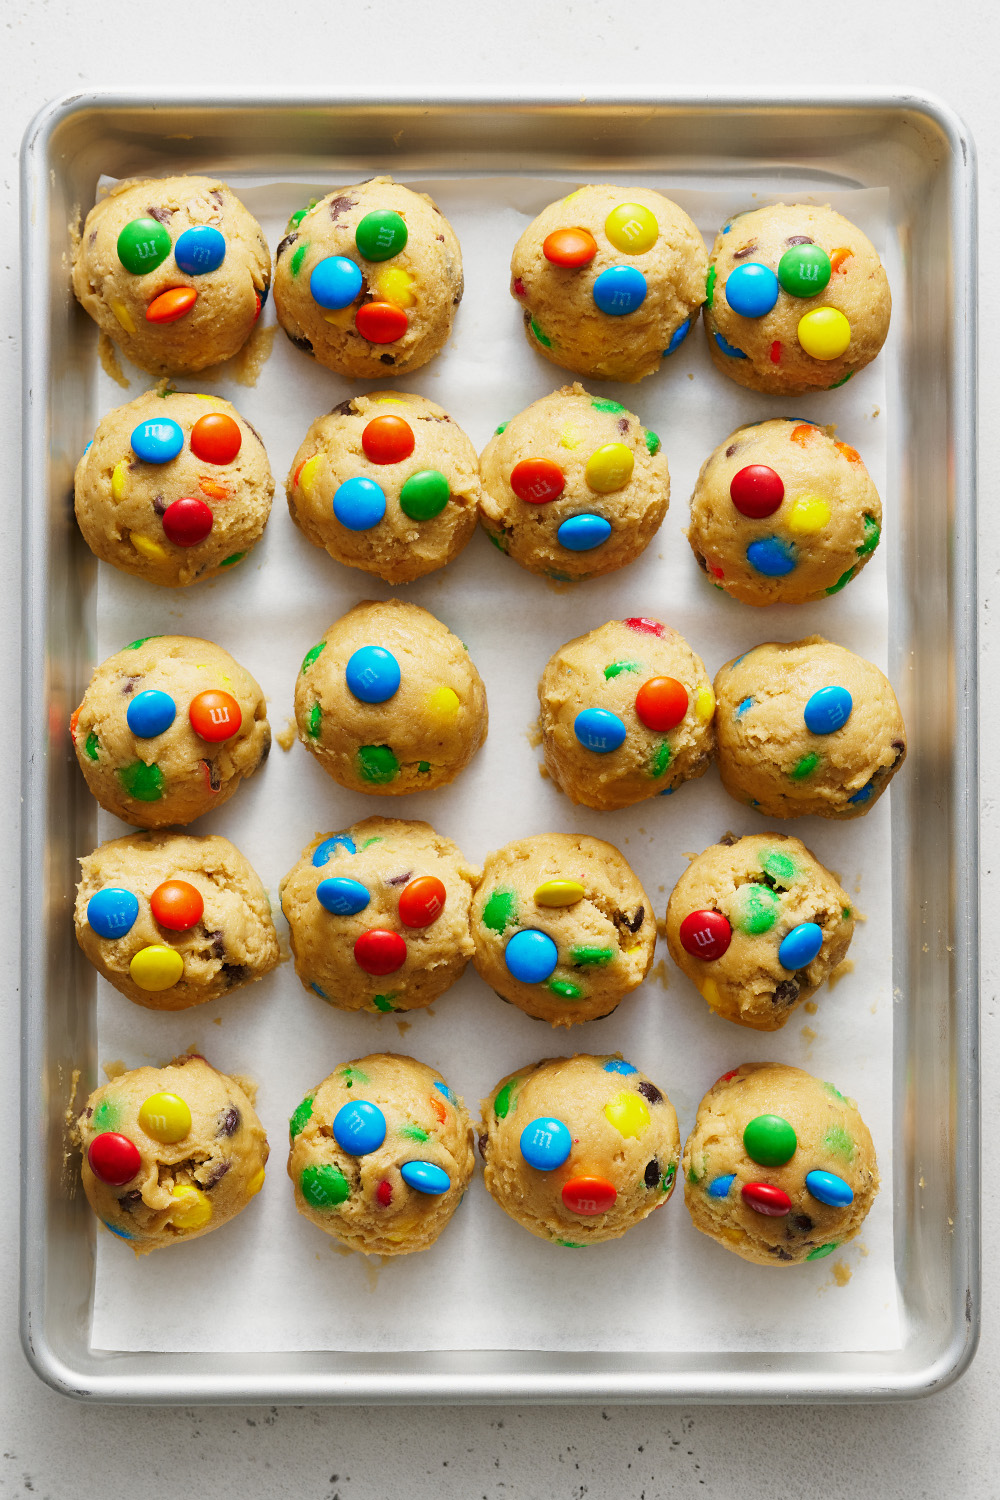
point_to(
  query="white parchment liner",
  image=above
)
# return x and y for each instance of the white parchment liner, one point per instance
(270, 1280)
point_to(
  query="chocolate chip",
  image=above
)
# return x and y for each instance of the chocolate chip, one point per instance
(635, 921)
(649, 1091)
(92, 238)
(702, 563)
(398, 879)
(747, 250)
(728, 840)
(344, 409)
(801, 1222)
(388, 359)
(283, 246)
(266, 750)
(128, 686)
(731, 449)
(651, 1176)
(159, 504)
(898, 745)
(781, 1254)
(340, 205)
(216, 193)
(786, 993)
(216, 1175)
(254, 430)
(130, 1202)
(302, 343)
(161, 215)
(800, 239)
(218, 942)
(482, 1144)
(236, 973)
(230, 1122)
(623, 424)
(89, 1111)
(214, 779)
(439, 237)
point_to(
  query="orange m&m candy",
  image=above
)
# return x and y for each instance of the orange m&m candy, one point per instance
(215, 715)
(387, 440)
(661, 703)
(422, 901)
(171, 305)
(537, 480)
(177, 904)
(216, 439)
(381, 322)
(569, 247)
(589, 1195)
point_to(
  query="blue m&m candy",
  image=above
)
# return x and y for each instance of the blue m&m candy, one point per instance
(863, 795)
(545, 1144)
(619, 1065)
(323, 851)
(359, 504)
(425, 1177)
(800, 946)
(772, 556)
(719, 1188)
(531, 956)
(157, 441)
(335, 282)
(443, 1088)
(751, 290)
(679, 335)
(599, 730)
(583, 533)
(359, 1127)
(150, 713)
(342, 897)
(373, 674)
(728, 348)
(828, 710)
(828, 1188)
(112, 912)
(200, 250)
(620, 290)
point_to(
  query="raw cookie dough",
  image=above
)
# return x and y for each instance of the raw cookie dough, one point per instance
(806, 727)
(783, 513)
(381, 1154)
(579, 1149)
(779, 1167)
(797, 300)
(387, 483)
(171, 1153)
(368, 279)
(562, 927)
(757, 924)
(173, 488)
(610, 281)
(379, 915)
(173, 920)
(167, 730)
(174, 270)
(574, 486)
(626, 714)
(389, 701)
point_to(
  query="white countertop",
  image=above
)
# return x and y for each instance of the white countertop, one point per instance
(51, 1446)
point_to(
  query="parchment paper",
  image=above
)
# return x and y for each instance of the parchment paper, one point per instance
(271, 1280)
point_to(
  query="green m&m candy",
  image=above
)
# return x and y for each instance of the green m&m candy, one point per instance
(770, 1141)
(804, 270)
(424, 495)
(142, 245)
(381, 234)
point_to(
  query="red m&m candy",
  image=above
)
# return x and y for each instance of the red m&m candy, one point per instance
(756, 491)
(661, 703)
(537, 480)
(765, 1199)
(187, 522)
(387, 440)
(113, 1158)
(569, 247)
(381, 322)
(643, 625)
(215, 715)
(380, 952)
(216, 439)
(171, 305)
(177, 904)
(705, 934)
(589, 1195)
(422, 901)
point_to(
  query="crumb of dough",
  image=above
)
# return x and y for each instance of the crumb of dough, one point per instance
(810, 1007)
(286, 739)
(114, 1069)
(403, 1027)
(558, 586)
(246, 365)
(846, 966)
(808, 1034)
(543, 771)
(660, 974)
(661, 925)
(108, 355)
(534, 734)
(841, 1272)
(216, 1020)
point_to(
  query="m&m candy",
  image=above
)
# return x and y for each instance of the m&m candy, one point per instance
(171, 305)
(559, 893)
(827, 710)
(661, 703)
(215, 716)
(830, 1189)
(323, 852)
(631, 228)
(600, 730)
(166, 1117)
(216, 438)
(422, 901)
(113, 1158)
(359, 504)
(824, 333)
(756, 491)
(531, 956)
(804, 270)
(373, 674)
(342, 897)
(157, 442)
(719, 1186)
(335, 281)
(589, 1196)
(765, 1199)
(199, 250)
(609, 468)
(569, 247)
(150, 713)
(381, 322)
(801, 946)
(424, 495)
(620, 290)
(156, 968)
(112, 912)
(177, 905)
(387, 440)
(381, 234)
(583, 533)
(425, 1177)
(628, 1113)
(143, 245)
(537, 480)
(359, 1127)
(770, 1140)
(772, 556)
(196, 1207)
(705, 934)
(545, 1144)
(379, 951)
(187, 521)
(752, 290)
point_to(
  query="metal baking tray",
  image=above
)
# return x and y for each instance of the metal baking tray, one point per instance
(923, 154)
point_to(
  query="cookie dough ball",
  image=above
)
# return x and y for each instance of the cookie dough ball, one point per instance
(574, 486)
(381, 1154)
(171, 1153)
(562, 927)
(172, 920)
(389, 701)
(797, 300)
(779, 1167)
(626, 714)
(610, 281)
(379, 915)
(806, 727)
(167, 730)
(174, 270)
(173, 488)
(579, 1149)
(757, 924)
(368, 279)
(386, 483)
(783, 513)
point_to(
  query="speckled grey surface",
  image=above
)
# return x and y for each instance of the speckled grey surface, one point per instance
(51, 1447)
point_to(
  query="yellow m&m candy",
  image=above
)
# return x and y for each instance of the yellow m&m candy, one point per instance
(809, 514)
(559, 893)
(165, 1117)
(443, 702)
(196, 1209)
(395, 285)
(824, 333)
(156, 967)
(631, 228)
(307, 474)
(629, 1114)
(704, 704)
(610, 468)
